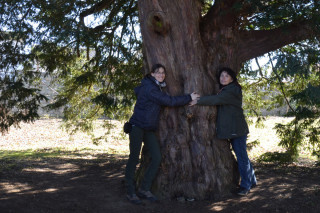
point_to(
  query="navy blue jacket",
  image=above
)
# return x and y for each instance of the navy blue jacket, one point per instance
(150, 98)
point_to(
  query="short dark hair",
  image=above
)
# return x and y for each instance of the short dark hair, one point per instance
(230, 72)
(157, 66)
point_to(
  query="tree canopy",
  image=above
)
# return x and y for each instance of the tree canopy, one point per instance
(93, 51)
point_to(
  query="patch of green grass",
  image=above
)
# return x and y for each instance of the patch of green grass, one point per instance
(31, 154)
(253, 144)
(18, 159)
(279, 157)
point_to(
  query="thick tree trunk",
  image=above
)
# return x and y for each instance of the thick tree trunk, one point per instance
(194, 162)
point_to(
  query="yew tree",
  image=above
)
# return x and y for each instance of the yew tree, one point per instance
(193, 46)
(98, 64)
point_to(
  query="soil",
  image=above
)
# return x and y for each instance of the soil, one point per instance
(86, 179)
(97, 185)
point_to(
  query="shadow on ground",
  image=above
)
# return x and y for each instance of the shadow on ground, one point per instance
(96, 185)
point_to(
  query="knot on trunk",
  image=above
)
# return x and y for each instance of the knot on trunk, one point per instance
(158, 23)
(189, 115)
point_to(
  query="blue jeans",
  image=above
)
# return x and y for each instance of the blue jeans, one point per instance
(239, 146)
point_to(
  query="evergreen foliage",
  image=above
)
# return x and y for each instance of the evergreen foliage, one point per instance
(95, 62)
(290, 78)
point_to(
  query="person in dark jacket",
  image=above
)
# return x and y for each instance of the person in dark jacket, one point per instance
(231, 124)
(144, 121)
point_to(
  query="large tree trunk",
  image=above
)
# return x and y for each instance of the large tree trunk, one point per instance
(194, 162)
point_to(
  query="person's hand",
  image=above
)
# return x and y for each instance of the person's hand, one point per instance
(194, 96)
(192, 103)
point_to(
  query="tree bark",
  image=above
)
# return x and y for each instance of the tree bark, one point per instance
(194, 162)
(192, 48)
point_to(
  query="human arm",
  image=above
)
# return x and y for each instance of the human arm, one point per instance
(222, 98)
(231, 96)
(164, 99)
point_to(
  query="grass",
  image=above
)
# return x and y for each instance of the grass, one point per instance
(45, 139)
(32, 154)
(46, 134)
(268, 149)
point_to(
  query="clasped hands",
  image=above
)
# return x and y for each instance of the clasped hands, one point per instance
(195, 97)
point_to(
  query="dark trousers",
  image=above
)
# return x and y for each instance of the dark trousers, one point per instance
(137, 136)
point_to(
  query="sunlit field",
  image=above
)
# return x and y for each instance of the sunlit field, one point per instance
(46, 135)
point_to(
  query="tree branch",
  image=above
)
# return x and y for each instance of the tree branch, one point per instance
(221, 13)
(260, 42)
(96, 8)
(281, 85)
(115, 10)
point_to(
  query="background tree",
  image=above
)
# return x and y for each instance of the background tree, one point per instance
(98, 63)
(292, 74)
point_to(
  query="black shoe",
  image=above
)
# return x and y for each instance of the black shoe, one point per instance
(243, 191)
(253, 185)
(147, 195)
(134, 199)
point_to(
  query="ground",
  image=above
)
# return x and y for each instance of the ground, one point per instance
(47, 183)
(97, 186)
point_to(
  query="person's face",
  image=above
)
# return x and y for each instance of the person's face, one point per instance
(159, 74)
(225, 78)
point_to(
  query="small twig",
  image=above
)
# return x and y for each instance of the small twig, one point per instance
(281, 85)
(260, 70)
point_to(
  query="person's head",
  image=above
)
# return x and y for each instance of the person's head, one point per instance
(226, 76)
(158, 71)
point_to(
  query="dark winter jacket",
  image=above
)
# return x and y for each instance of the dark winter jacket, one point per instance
(231, 122)
(150, 98)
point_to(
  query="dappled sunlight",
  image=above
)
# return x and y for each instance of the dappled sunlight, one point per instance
(277, 188)
(15, 188)
(54, 182)
(9, 187)
(58, 169)
(50, 190)
(75, 173)
(115, 175)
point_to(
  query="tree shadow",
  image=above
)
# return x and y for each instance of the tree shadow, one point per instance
(281, 188)
(84, 182)
(45, 182)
